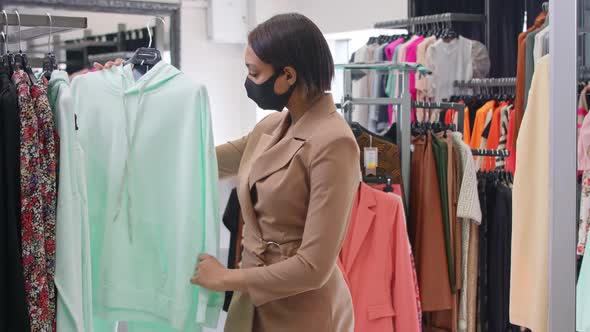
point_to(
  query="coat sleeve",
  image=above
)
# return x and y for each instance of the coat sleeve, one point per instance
(334, 178)
(229, 156)
(406, 299)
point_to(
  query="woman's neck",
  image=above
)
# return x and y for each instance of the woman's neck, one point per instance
(299, 106)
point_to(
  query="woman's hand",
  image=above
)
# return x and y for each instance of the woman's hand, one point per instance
(108, 65)
(210, 273)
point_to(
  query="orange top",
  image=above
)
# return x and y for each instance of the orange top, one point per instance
(480, 123)
(493, 138)
(466, 127)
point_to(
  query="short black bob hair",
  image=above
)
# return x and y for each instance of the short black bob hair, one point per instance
(294, 40)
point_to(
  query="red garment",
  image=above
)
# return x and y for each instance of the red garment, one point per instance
(38, 159)
(511, 160)
(376, 259)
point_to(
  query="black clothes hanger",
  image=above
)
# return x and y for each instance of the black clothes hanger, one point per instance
(20, 58)
(49, 62)
(146, 57)
(7, 57)
(380, 179)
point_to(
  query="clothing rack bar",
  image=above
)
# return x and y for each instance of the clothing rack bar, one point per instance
(104, 57)
(39, 25)
(486, 82)
(460, 108)
(385, 66)
(490, 153)
(429, 19)
(375, 101)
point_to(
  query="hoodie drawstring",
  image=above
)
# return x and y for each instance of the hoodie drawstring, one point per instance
(130, 138)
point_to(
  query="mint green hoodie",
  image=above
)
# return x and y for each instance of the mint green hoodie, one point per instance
(72, 272)
(151, 190)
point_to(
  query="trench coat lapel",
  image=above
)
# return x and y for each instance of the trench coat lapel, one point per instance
(277, 151)
(364, 218)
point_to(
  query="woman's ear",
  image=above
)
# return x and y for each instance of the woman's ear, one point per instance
(290, 75)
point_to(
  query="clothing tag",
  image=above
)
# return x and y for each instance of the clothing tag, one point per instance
(371, 155)
(76, 121)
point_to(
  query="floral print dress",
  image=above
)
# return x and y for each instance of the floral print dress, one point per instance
(38, 200)
(584, 223)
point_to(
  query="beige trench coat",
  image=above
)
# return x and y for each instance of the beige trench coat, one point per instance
(296, 187)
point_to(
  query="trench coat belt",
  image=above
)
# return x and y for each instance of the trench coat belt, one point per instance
(262, 247)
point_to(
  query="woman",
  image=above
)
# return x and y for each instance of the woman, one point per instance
(298, 171)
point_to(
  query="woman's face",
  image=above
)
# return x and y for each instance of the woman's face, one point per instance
(259, 72)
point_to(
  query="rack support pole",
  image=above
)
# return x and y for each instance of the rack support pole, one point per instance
(404, 132)
(562, 167)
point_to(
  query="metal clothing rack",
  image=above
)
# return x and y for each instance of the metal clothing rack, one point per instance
(403, 101)
(36, 26)
(490, 153)
(430, 19)
(460, 108)
(486, 83)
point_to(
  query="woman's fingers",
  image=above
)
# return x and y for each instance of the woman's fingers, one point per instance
(108, 65)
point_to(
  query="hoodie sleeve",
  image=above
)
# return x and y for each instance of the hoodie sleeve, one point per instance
(209, 303)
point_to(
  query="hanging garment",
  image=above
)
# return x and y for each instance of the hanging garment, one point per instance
(48, 145)
(519, 104)
(73, 271)
(388, 162)
(13, 303)
(583, 296)
(232, 221)
(493, 139)
(36, 254)
(530, 57)
(511, 159)
(152, 228)
(472, 276)
(377, 233)
(529, 264)
(449, 62)
(582, 108)
(539, 48)
(487, 198)
(468, 212)
(294, 282)
(440, 150)
(584, 221)
(480, 124)
(502, 141)
(499, 249)
(426, 229)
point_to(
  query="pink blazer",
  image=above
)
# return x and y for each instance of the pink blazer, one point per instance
(378, 266)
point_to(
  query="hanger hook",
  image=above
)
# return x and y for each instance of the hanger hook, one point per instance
(150, 30)
(20, 46)
(5, 29)
(50, 32)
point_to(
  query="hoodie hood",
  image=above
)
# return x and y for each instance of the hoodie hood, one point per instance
(121, 78)
(59, 79)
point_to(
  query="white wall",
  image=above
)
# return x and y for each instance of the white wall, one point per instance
(336, 15)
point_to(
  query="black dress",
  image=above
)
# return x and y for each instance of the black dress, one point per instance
(13, 308)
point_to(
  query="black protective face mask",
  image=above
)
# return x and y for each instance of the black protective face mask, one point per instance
(264, 94)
